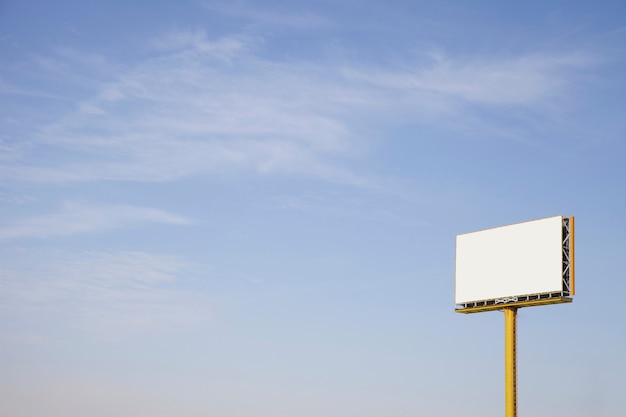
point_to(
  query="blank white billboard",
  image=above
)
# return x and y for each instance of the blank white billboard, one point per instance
(510, 261)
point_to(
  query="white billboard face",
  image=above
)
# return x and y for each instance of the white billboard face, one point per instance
(510, 261)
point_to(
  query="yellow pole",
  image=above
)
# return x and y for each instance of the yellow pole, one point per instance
(510, 360)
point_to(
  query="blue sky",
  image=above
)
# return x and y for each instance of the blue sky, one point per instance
(249, 208)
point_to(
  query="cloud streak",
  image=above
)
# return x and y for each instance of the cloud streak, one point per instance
(80, 218)
(513, 81)
(202, 106)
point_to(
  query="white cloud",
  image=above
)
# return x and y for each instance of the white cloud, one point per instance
(189, 111)
(80, 218)
(513, 81)
(203, 106)
(189, 42)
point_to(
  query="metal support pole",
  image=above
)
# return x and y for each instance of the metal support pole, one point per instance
(510, 360)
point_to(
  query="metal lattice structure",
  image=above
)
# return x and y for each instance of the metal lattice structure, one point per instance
(568, 261)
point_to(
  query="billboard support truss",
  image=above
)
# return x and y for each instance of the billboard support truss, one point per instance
(568, 255)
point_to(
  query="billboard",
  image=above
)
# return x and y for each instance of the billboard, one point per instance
(523, 262)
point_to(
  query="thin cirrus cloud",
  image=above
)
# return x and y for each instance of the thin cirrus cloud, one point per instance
(202, 106)
(520, 80)
(81, 218)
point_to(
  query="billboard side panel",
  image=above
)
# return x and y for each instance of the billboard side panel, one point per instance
(509, 261)
(571, 256)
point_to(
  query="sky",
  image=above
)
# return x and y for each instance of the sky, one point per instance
(249, 209)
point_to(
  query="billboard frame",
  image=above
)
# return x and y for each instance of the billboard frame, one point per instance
(536, 299)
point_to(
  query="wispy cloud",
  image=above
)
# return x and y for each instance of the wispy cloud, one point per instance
(509, 81)
(16, 198)
(197, 41)
(102, 293)
(212, 105)
(80, 218)
(189, 111)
